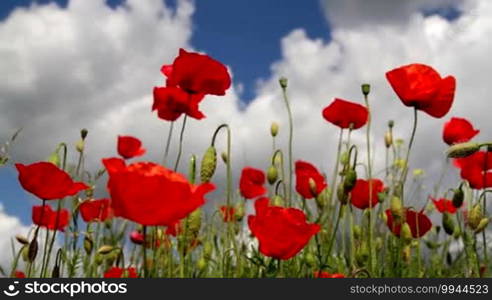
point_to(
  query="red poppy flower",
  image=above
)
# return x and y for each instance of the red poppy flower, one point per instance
(476, 169)
(304, 172)
(47, 181)
(228, 213)
(150, 194)
(324, 274)
(458, 130)
(360, 196)
(419, 223)
(115, 272)
(172, 102)
(343, 114)
(50, 218)
(137, 237)
(198, 74)
(19, 274)
(422, 87)
(444, 205)
(281, 232)
(96, 210)
(129, 147)
(251, 183)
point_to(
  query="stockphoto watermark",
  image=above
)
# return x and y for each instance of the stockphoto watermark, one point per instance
(65, 288)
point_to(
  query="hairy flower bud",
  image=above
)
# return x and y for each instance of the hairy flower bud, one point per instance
(350, 180)
(357, 231)
(88, 244)
(482, 225)
(406, 233)
(225, 157)
(209, 163)
(277, 200)
(274, 129)
(33, 250)
(475, 215)
(239, 211)
(201, 264)
(21, 239)
(83, 133)
(272, 174)
(366, 89)
(106, 249)
(396, 208)
(388, 139)
(463, 149)
(283, 82)
(322, 198)
(448, 223)
(344, 158)
(342, 195)
(310, 259)
(458, 198)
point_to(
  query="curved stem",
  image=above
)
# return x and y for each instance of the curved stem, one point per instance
(332, 240)
(168, 143)
(335, 170)
(180, 149)
(405, 172)
(144, 251)
(291, 133)
(228, 163)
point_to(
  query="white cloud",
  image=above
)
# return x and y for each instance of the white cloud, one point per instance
(91, 66)
(9, 226)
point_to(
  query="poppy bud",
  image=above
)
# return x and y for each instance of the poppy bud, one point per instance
(312, 187)
(272, 174)
(106, 249)
(391, 123)
(224, 157)
(310, 259)
(475, 216)
(56, 272)
(322, 198)
(195, 221)
(344, 158)
(349, 181)
(396, 208)
(357, 231)
(79, 146)
(342, 195)
(399, 142)
(432, 245)
(406, 233)
(88, 244)
(83, 133)
(21, 239)
(239, 211)
(406, 253)
(33, 250)
(201, 264)
(283, 82)
(457, 233)
(458, 198)
(362, 254)
(366, 89)
(462, 149)
(98, 259)
(209, 162)
(384, 217)
(192, 169)
(54, 158)
(274, 129)
(482, 225)
(448, 223)
(277, 201)
(388, 139)
(25, 253)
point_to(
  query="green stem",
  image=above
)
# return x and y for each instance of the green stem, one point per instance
(144, 251)
(334, 234)
(369, 171)
(335, 170)
(291, 133)
(180, 149)
(404, 174)
(168, 143)
(228, 164)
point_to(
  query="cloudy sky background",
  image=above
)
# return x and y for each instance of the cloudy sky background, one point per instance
(92, 64)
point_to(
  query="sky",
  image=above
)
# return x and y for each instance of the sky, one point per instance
(67, 65)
